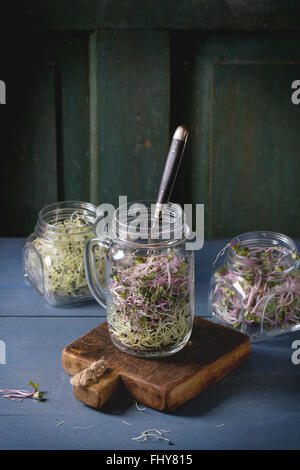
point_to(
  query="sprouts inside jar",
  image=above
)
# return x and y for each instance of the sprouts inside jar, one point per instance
(150, 301)
(60, 246)
(260, 287)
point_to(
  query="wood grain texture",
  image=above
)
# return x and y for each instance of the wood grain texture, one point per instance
(29, 179)
(242, 160)
(133, 114)
(89, 118)
(261, 190)
(165, 14)
(166, 383)
(97, 395)
(69, 53)
(45, 127)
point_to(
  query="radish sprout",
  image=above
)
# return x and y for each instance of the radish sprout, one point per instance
(150, 306)
(151, 432)
(265, 286)
(20, 395)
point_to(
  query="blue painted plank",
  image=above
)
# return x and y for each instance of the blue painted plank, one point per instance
(258, 403)
(17, 296)
(13, 285)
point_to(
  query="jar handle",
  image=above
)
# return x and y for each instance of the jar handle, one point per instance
(215, 286)
(91, 270)
(33, 266)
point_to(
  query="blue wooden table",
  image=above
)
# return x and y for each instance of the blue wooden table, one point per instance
(257, 406)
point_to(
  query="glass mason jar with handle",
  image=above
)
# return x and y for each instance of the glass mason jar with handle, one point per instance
(149, 280)
(257, 288)
(53, 253)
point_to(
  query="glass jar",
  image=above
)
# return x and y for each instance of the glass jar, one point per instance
(257, 288)
(53, 254)
(149, 280)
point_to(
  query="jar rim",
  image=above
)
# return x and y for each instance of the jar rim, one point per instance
(262, 238)
(171, 229)
(62, 210)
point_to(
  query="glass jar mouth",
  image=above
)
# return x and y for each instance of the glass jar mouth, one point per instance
(52, 217)
(140, 223)
(266, 242)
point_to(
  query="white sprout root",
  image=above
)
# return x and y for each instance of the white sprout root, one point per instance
(83, 427)
(152, 433)
(62, 258)
(150, 308)
(138, 407)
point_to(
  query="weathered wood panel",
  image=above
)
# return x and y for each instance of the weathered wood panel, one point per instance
(69, 53)
(45, 127)
(132, 114)
(255, 150)
(29, 180)
(108, 105)
(243, 157)
(163, 14)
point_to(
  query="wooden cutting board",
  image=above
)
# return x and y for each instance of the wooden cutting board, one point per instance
(164, 384)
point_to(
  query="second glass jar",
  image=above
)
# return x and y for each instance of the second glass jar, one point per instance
(257, 288)
(53, 253)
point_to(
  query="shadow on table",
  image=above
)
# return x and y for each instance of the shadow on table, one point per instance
(119, 403)
(267, 377)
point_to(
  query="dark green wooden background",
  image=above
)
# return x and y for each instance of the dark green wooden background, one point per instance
(95, 90)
